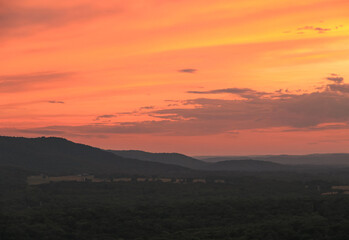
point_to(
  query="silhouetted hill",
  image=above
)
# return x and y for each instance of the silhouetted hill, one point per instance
(214, 159)
(167, 158)
(248, 165)
(60, 156)
(330, 159)
(334, 159)
(183, 160)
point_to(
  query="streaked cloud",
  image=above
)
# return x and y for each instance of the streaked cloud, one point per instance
(50, 131)
(146, 108)
(59, 102)
(40, 76)
(188, 70)
(242, 92)
(313, 28)
(18, 19)
(106, 116)
(335, 78)
(319, 110)
(20, 82)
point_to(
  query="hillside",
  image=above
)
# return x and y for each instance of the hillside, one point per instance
(167, 158)
(330, 159)
(245, 165)
(60, 156)
(248, 166)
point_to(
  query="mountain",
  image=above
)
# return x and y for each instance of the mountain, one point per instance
(248, 166)
(57, 156)
(167, 158)
(189, 162)
(330, 159)
(213, 159)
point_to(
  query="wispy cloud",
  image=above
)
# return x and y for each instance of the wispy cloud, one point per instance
(18, 19)
(342, 88)
(335, 78)
(20, 82)
(326, 109)
(146, 108)
(320, 30)
(52, 131)
(106, 116)
(188, 70)
(59, 102)
(34, 76)
(313, 28)
(242, 92)
(46, 132)
(321, 127)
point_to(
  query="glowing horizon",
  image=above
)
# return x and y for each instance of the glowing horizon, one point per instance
(197, 77)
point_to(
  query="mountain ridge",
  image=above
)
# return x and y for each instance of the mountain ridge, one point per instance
(167, 158)
(189, 162)
(330, 159)
(57, 156)
(54, 155)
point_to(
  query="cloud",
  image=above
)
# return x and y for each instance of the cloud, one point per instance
(343, 88)
(163, 127)
(34, 76)
(325, 109)
(188, 70)
(335, 78)
(312, 28)
(18, 19)
(20, 82)
(242, 92)
(335, 141)
(60, 102)
(321, 127)
(105, 116)
(45, 132)
(225, 90)
(296, 111)
(302, 30)
(338, 85)
(51, 131)
(146, 108)
(216, 116)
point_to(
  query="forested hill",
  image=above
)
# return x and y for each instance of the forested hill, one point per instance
(189, 162)
(168, 158)
(249, 165)
(328, 159)
(59, 156)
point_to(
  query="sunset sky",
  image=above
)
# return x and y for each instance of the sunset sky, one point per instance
(200, 77)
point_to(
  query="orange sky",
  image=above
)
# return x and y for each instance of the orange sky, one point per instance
(197, 77)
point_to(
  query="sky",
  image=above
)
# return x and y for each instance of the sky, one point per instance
(199, 77)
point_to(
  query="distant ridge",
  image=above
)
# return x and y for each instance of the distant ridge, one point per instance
(189, 162)
(248, 165)
(330, 159)
(167, 158)
(58, 156)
